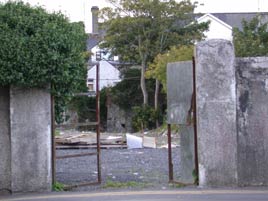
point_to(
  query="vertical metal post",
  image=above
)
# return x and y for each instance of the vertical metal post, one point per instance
(53, 155)
(170, 164)
(98, 121)
(195, 121)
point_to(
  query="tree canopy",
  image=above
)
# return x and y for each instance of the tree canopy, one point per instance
(157, 69)
(252, 40)
(137, 31)
(38, 48)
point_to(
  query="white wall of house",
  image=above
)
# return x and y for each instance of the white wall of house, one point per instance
(109, 75)
(217, 28)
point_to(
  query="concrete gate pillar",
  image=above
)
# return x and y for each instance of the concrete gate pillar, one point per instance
(216, 113)
(27, 139)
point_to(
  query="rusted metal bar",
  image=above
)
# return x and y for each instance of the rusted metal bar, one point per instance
(195, 121)
(103, 146)
(68, 187)
(77, 124)
(76, 155)
(181, 183)
(53, 158)
(98, 121)
(170, 164)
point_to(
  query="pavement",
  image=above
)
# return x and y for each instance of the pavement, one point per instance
(260, 194)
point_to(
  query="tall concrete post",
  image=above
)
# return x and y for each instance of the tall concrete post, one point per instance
(30, 124)
(216, 113)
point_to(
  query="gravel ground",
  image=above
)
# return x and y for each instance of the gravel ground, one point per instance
(121, 168)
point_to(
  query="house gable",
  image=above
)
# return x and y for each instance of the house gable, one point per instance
(217, 28)
(109, 76)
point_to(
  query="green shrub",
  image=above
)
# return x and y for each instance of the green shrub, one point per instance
(144, 117)
(57, 186)
(38, 48)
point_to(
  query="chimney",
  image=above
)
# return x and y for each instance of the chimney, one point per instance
(95, 27)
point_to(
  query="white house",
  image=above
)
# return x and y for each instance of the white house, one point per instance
(217, 28)
(109, 75)
(222, 24)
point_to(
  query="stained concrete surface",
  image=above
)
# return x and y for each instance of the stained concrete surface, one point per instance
(252, 107)
(179, 91)
(179, 98)
(30, 123)
(216, 113)
(5, 152)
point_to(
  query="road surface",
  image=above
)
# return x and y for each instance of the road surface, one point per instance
(178, 195)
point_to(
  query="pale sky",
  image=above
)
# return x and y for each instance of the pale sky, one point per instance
(79, 10)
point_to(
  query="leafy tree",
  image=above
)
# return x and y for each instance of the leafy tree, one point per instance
(137, 31)
(157, 69)
(38, 48)
(144, 117)
(126, 94)
(252, 40)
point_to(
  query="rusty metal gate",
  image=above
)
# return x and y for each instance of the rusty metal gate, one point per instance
(189, 120)
(95, 153)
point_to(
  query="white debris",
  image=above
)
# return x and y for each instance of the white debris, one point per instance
(134, 142)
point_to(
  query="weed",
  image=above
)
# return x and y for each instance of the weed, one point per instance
(57, 186)
(56, 133)
(195, 176)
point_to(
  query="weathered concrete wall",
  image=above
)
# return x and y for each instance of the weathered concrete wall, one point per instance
(30, 140)
(187, 163)
(252, 109)
(232, 115)
(118, 120)
(5, 169)
(179, 97)
(216, 113)
(179, 91)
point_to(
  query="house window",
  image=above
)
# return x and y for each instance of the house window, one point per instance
(90, 87)
(90, 84)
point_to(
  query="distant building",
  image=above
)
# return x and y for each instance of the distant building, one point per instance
(109, 74)
(222, 24)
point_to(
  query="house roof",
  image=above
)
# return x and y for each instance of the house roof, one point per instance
(92, 41)
(235, 19)
(210, 16)
(95, 38)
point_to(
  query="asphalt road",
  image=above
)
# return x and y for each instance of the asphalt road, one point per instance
(178, 195)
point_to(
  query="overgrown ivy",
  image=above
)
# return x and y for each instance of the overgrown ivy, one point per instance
(38, 48)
